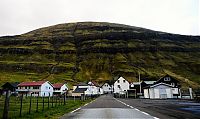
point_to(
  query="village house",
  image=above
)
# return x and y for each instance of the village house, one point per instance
(37, 88)
(94, 88)
(121, 85)
(165, 87)
(80, 89)
(10, 86)
(59, 88)
(107, 88)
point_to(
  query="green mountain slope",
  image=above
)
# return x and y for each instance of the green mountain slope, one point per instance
(99, 51)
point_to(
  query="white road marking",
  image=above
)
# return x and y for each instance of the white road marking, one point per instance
(134, 108)
(75, 110)
(82, 106)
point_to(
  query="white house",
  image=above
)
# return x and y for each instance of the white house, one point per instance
(159, 91)
(37, 88)
(107, 88)
(94, 88)
(121, 86)
(60, 88)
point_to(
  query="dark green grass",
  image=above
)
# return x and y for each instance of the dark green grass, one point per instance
(58, 109)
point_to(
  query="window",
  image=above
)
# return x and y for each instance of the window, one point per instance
(49, 87)
(167, 79)
(124, 81)
(117, 81)
(46, 87)
(36, 87)
(118, 86)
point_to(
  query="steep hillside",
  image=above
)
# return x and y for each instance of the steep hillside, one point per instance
(99, 51)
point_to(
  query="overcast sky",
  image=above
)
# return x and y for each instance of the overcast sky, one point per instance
(174, 16)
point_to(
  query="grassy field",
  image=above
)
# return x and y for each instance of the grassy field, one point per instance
(55, 110)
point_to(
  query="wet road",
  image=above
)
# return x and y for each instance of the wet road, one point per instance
(107, 107)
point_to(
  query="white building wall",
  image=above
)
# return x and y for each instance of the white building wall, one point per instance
(107, 88)
(101, 91)
(46, 89)
(169, 93)
(158, 92)
(64, 88)
(124, 86)
(151, 91)
(146, 93)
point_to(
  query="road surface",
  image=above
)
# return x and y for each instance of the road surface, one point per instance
(107, 107)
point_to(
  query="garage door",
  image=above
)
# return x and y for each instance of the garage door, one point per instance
(163, 93)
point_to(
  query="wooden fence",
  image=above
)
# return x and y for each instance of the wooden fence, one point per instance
(13, 107)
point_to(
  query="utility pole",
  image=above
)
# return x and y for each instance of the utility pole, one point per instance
(140, 83)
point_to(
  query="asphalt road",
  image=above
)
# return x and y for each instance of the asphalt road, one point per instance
(167, 109)
(107, 107)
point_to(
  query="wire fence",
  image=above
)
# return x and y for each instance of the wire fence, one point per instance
(18, 106)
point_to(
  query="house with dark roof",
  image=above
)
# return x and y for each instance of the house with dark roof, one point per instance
(165, 87)
(80, 91)
(11, 86)
(36, 88)
(59, 88)
(107, 88)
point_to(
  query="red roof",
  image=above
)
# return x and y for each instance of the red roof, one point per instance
(95, 83)
(36, 83)
(58, 85)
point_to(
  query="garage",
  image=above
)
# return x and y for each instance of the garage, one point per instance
(158, 91)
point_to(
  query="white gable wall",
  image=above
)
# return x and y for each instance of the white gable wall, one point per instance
(159, 92)
(106, 87)
(46, 89)
(121, 85)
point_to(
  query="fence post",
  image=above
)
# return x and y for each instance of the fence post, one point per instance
(65, 98)
(6, 106)
(56, 101)
(48, 100)
(21, 99)
(52, 101)
(30, 104)
(43, 103)
(37, 103)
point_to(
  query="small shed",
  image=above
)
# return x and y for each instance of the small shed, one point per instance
(79, 91)
(159, 91)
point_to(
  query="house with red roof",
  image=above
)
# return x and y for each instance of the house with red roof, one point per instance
(60, 88)
(35, 88)
(94, 88)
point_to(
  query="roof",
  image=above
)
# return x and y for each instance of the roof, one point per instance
(136, 83)
(158, 85)
(13, 84)
(36, 83)
(94, 83)
(79, 90)
(167, 75)
(82, 84)
(149, 82)
(58, 85)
